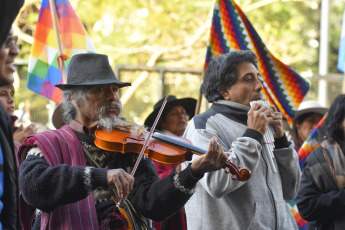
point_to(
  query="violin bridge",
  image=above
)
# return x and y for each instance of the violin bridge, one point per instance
(141, 131)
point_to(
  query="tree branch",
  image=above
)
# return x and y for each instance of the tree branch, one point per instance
(154, 57)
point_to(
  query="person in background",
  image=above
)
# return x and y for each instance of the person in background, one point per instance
(9, 214)
(306, 118)
(68, 182)
(173, 122)
(321, 196)
(19, 133)
(231, 82)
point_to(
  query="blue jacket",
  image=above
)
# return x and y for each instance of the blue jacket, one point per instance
(9, 183)
(8, 169)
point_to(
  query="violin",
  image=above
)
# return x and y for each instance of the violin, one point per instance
(162, 148)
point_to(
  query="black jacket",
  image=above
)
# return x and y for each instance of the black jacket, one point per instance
(320, 209)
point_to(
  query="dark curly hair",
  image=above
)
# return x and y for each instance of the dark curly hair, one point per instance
(221, 72)
(332, 128)
(294, 133)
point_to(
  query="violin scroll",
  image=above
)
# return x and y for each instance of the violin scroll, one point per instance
(238, 174)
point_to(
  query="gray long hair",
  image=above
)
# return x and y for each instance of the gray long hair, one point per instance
(69, 96)
(221, 72)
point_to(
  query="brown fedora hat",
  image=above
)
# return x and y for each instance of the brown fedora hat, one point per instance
(90, 69)
(189, 105)
(57, 119)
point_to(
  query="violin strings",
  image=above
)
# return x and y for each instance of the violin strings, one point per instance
(146, 142)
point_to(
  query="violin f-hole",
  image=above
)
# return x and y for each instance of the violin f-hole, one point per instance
(132, 138)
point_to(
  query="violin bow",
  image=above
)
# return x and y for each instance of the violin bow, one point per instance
(146, 142)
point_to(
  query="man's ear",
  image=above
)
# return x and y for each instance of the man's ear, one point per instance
(223, 92)
(74, 102)
(77, 103)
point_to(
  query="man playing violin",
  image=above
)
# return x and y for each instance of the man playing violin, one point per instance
(231, 82)
(67, 182)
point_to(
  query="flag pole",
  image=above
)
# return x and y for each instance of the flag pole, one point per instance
(343, 86)
(343, 83)
(58, 42)
(198, 104)
(323, 52)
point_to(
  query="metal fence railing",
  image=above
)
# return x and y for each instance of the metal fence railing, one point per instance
(160, 81)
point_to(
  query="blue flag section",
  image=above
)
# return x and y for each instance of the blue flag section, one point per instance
(341, 54)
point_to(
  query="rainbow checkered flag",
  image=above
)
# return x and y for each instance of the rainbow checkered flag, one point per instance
(43, 68)
(231, 30)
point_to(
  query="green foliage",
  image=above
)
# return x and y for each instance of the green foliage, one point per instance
(287, 29)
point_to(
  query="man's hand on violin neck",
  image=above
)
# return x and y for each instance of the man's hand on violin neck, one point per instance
(122, 181)
(213, 160)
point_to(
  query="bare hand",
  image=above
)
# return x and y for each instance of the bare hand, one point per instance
(213, 160)
(277, 122)
(122, 181)
(20, 134)
(259, 117)
(178, 168)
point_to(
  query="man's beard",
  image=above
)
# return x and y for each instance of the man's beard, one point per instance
(110, 121)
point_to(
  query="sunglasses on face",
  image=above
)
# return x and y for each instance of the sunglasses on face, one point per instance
(9, 39)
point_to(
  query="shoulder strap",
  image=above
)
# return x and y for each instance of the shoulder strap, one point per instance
(329, 162)
(320, 170)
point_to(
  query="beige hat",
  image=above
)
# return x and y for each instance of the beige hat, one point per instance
(310, 106)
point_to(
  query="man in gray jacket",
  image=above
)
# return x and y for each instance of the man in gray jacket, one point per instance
(231, 82)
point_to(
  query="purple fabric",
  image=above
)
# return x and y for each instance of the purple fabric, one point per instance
(63, 147)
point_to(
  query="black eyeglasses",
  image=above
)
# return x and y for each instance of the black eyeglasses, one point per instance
(9, 39)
